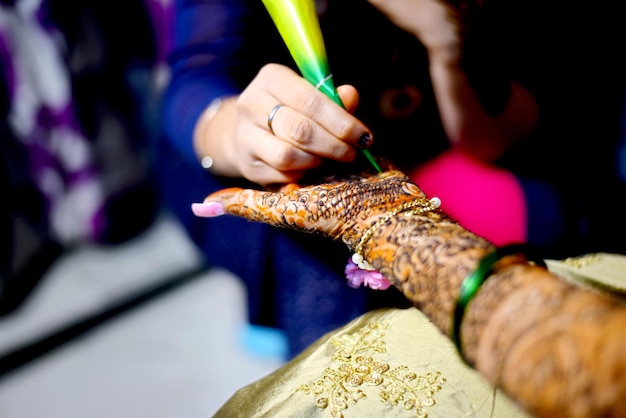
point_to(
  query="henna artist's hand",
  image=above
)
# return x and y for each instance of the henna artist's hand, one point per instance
(342, 208)
(279, 128)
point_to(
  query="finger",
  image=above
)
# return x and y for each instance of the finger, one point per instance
(305, 134)
(265, 175)
(266, 158)
(342, 208)
(349, 96)
(268, 115)
(289, 89)
(290, 208)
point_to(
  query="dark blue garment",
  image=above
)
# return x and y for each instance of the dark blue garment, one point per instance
(209, 43)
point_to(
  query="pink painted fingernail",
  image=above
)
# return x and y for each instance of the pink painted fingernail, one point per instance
(207, 210)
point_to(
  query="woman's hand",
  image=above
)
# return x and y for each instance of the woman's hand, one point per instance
(438, 24)
(342, 208)
(307, 128)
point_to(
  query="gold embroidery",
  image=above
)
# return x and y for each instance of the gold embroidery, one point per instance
(582, 261)
(357, 368)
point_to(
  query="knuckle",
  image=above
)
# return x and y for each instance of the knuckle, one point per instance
(312, 104)
(301, 131)
(285, 156)
(346, 129)
(266, 71)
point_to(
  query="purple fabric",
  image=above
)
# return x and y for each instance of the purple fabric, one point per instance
(43, 114)
(162, 15)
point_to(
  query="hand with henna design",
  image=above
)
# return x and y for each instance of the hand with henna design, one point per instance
(346, 207)
(554, 347)
(340, 209)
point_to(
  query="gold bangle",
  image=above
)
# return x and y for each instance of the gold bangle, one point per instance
(412, 208)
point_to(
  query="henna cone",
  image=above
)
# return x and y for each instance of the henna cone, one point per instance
(556, 348)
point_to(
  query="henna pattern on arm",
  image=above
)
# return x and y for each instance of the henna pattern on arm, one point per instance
(556, 348)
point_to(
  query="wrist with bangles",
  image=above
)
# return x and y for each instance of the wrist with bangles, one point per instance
(472, 283)
(358, 270)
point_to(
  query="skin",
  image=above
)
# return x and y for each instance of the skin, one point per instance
(441, 26)
(555, 348)
(310, 128)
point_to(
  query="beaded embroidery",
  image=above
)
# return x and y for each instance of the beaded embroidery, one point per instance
(356, 366)
(582, 261)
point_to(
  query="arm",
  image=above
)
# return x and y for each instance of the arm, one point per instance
(482, 109)
(554, 347)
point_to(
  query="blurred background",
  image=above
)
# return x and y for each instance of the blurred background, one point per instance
(106, 307)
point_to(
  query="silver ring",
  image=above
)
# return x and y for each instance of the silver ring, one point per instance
(271, 117)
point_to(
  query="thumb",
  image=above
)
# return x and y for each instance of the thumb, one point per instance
(349, 97)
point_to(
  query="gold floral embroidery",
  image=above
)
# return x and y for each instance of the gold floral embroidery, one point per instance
(582, 261)
(357, 366)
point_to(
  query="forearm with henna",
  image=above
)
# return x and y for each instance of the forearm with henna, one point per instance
(426, 257)
(534, 335)
(556, 348)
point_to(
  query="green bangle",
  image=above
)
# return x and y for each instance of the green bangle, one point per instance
(473, 281)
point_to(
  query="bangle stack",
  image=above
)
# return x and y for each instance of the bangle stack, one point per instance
(359, 271)
(473, 281)
(415, 207)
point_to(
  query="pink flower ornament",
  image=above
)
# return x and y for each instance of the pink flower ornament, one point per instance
(358, 276)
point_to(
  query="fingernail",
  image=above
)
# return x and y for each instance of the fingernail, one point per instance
(365, 140)
(207, 210)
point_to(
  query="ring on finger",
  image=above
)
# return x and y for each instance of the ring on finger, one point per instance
(270, 117)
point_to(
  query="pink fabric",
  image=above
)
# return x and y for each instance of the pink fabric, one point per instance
(486, 200)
